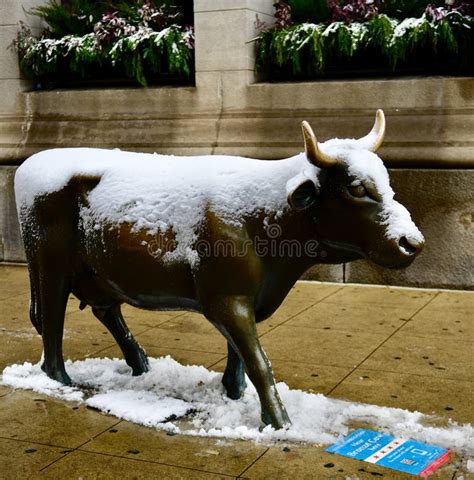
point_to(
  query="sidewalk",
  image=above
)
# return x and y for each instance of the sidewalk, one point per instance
(395, 347)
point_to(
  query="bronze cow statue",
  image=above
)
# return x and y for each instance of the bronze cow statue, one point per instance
(116, 227)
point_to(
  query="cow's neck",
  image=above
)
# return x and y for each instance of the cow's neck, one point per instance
(282, 268)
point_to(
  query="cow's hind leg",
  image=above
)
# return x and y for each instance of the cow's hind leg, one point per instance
(234, 375)
(50, 298)
(134, 355)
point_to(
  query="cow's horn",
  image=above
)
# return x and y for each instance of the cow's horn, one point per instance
(313, 153)
(375, 137)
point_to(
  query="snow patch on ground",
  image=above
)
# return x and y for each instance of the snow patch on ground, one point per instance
(170, 392)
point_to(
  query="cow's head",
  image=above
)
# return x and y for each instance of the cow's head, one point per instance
(353, 204)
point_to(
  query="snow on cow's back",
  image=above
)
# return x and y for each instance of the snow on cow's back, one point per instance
(147, 188)
(50, 170)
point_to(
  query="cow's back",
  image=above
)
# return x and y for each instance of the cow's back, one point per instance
(51, 170)
(108, 212)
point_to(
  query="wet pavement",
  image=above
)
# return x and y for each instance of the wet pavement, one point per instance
(405, 348)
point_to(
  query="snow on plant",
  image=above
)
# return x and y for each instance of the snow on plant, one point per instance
(137, 39)
(169, 50)
(308, 46)
(42, 56)
(147, 45)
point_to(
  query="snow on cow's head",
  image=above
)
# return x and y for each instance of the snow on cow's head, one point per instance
(355, 210)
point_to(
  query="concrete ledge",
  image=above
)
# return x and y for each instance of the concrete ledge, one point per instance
(429, 121)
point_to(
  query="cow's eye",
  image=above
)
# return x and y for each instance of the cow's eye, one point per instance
(357, 191)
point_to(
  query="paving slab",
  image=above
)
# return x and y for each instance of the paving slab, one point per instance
(308, 377)
(78, 345)
(27, 346)
(387, 296)
(315, 290)
(13, 281)
(72, 304)
(4, 390)
(14, 312)
(352, 317)
(300, 298)
(454, 324)
(28, 416)
(431, 356)
(319, 346)
(399, 390)
(453, 300)
(19, 347)
(209, 454)
(312, 462)
(462, 475)
(25, 459)
(185, 357)
(87, 466)
(137, 320)
(396, 347)
(189, 331)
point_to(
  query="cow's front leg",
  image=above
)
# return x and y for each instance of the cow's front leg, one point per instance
(234, 374)
(234, 317)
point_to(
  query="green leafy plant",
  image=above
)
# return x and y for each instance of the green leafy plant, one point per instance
(136, 39)
(167, 49)
(307, 49)
(77, 17)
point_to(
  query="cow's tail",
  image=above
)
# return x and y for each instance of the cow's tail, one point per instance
(34, 313)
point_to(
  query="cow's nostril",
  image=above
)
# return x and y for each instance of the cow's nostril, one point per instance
(409, 247)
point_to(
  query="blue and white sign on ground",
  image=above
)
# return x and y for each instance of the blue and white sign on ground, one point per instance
(399, 454)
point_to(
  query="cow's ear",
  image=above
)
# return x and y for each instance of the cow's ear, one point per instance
(302, 192)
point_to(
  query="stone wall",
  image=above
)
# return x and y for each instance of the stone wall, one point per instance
(12, 102)
(13, 119)
(429, 139)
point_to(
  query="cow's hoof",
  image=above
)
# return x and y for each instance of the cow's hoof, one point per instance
(235, 388)
(58, 374)
(236, 393)
(140, 364)
(277, 420)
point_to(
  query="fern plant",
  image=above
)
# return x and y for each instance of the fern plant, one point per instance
(164, 50)
(306, 49)
(77, 17)
(138, 39)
